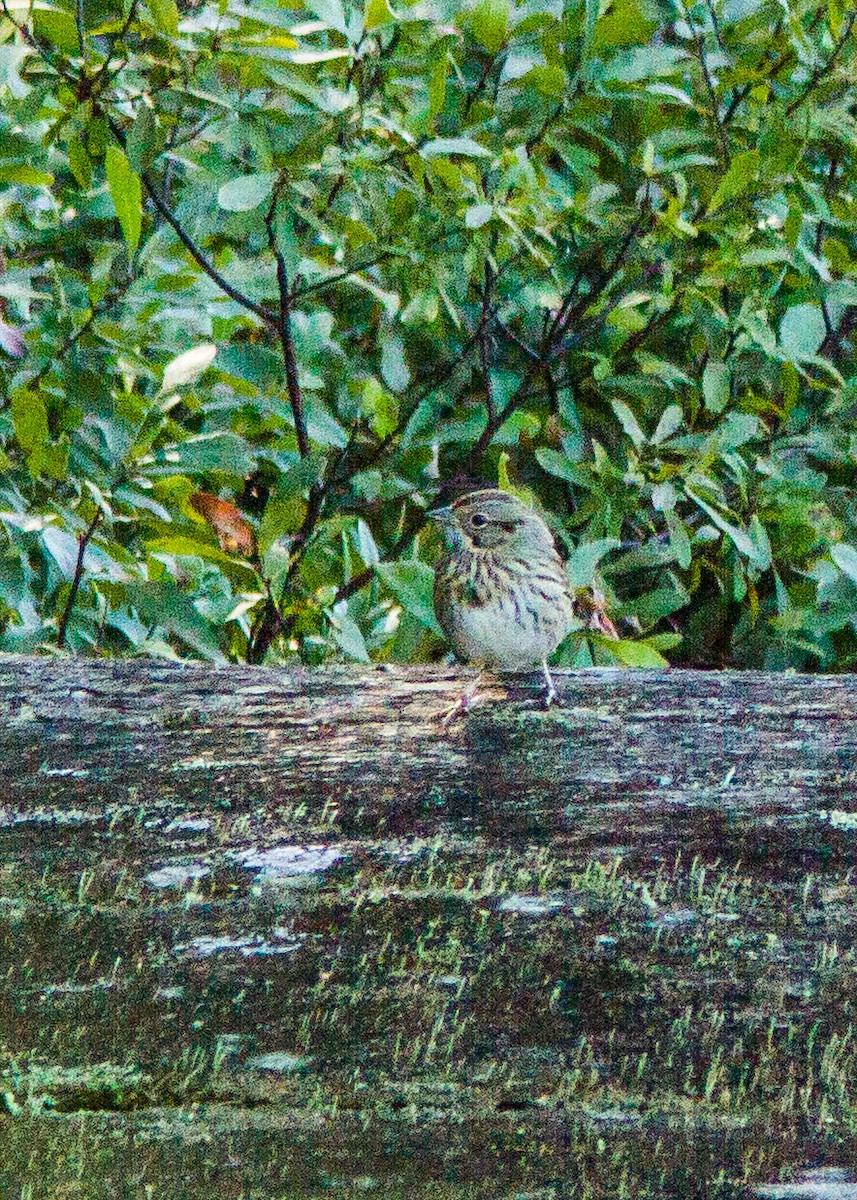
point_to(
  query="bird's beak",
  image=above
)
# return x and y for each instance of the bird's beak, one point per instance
(442, 515)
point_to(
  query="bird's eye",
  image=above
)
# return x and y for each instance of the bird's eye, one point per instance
(478, 520)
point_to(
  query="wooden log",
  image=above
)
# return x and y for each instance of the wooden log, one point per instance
(648, 762)
(245, 893)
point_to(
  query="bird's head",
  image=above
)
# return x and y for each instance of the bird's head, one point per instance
(492, 520)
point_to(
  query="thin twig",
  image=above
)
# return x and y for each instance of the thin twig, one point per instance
(473, 96)
(413, 524)
(824, 68)
(283, 325)
(82, 542)
(58, 356)
(834, 340)
(549, 120)
(78, 21)
(485, 340)
(331, 280)
(714, 103)
(199, 257)
(819, 238)
(568, 312)
(511, 336)
(104, 72)
(190, 245)
(37, 44)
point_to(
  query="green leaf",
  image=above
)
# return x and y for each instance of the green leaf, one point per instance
(761, 542)
(716, 386)
(584, 560)
(206, 452)
(652, 606)
(30, 419)
(165, 16)
(672, 419)
(547, 81)
(679, 540)
(634, 654)
(286, 506)
(322, 426)
(477, 215)
(380, 407)
(629, 422)
(592, 9)
(455, 145)
(182, 545)
(246, 192)
(504, 483)
(59, 29)
(394, 369)
(30, 422)
(79, 162)
(741, 539)
(802, 330)
(141, 144)
(187, 368)
(489, 20)
(845, 557)
(664, 497)
(163, 605)
(743, 171)
(437, 84)
(331, 13)
(376, 12)
(412, 583)
(557, 464)
(63, 549)
(127, 195)
(26, 175)
(348, 636)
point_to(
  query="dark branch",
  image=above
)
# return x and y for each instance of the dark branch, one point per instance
(484, 335)
(835, 339)
(283, 326)
(332, 280)
(413, 524)
(713, 102)
(196, 253)
(82, 542)
(824, 68)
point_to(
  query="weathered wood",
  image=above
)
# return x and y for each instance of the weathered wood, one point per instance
(641, 760)
(500, 942)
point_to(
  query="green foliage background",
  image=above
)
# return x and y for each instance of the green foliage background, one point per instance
(330, 264)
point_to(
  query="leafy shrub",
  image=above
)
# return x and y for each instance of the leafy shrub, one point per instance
(275, 279)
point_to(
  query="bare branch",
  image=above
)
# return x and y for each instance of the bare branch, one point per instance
(197, 254)
(37, 44)
(283, 326)
(332, 280)
(833, 342)
(413, 524)
(713, 102)
(826, 67)
(511, 336)
(82, 542)
(484, 335)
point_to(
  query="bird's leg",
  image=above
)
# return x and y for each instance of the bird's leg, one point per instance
(550, 691)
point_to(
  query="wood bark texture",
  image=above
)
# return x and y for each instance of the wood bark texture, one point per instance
(644, 761)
